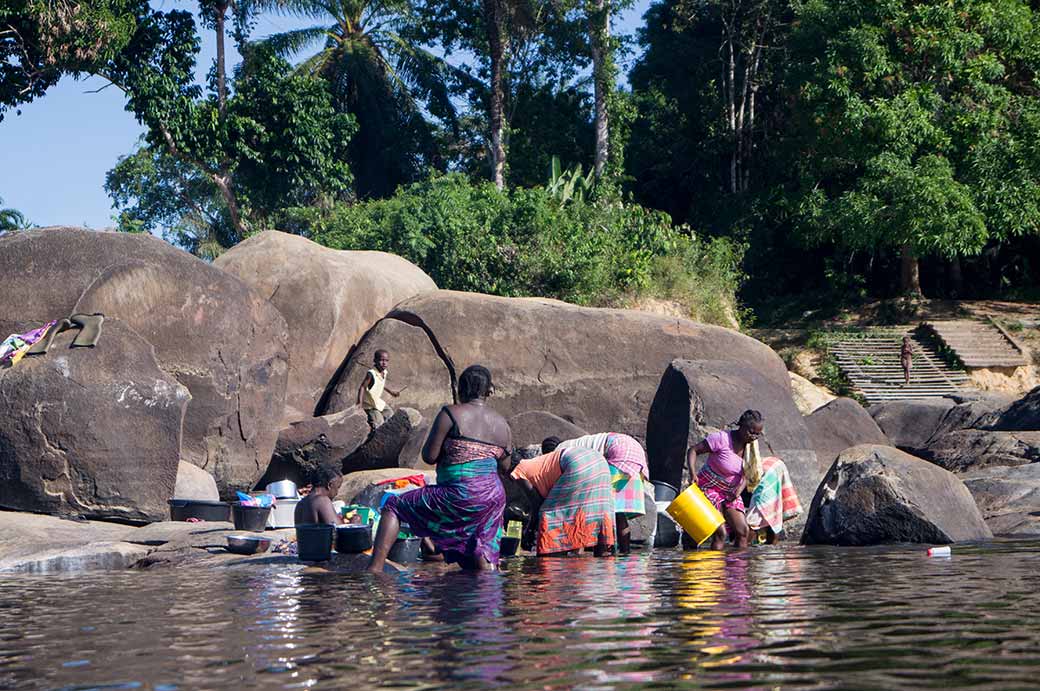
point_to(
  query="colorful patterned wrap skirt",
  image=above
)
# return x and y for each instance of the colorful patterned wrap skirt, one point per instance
(579, 510)
(629, 493)
(721, 494)
(462, 513)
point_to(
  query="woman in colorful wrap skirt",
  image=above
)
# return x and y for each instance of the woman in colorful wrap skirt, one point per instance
(628, 472)
(722, 478)
(462, 513)
(574, 502)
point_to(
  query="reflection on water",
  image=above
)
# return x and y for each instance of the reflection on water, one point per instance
(764, 618)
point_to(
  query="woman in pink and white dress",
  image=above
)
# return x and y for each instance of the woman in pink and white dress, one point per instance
(722, 478)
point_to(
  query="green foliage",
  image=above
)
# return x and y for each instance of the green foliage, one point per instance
(570, 185)
(520, 242)
(12, 219)
(41, 40)
(378, 71)
(278, 143)
(918, 123)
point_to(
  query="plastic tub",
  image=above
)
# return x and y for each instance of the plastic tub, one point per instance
(695, 514)
(665, 492)
(314, 541)
(251, 518)
(283, 514)
(405, 550)
(183, 509)
(353, 539)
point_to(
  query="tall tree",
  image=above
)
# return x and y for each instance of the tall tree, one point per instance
(602, 76)
(280, 142)
(917, 125)
(379, 72)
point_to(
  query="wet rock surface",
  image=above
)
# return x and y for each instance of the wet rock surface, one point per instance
(878, 494)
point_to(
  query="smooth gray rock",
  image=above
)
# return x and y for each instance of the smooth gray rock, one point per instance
(211, 332)
(91, 431)
(839, 425)
(328, 297)
(532, 426)
(969, 449)
(878, 494)
(384, 446)
(1009, 498)
(1022, 415)
(306, 444)
(910, 424)
(195, 483)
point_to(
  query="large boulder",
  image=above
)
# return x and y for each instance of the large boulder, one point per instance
(91, 431)
(878, 494)
(841, 424)
(366, 487)
(533, 426)
(808, 396)
(306, 444)
(329, 299)
(909, 424)
(970, 449)
(195, 483)
(222, 340)
(384, 446)
(1022, 415)
(697, 397)
(598, 368)
(1009, 498)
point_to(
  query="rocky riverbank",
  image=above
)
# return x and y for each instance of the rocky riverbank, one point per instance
(212, 378)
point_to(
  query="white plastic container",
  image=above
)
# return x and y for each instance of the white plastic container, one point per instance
(940, 552)
(282, 514)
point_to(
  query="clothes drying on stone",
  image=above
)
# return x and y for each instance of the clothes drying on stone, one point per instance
(577, 510)
(774, 499)
(16, 346)
(89, 326)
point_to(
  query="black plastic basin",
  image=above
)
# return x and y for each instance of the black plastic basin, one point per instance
(183, 509)
(353, 539)
(251, 518)
(314, 541)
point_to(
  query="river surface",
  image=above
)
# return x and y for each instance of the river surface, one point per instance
(789, 616)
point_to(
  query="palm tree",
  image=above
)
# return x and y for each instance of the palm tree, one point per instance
(11, 219)
(379, 72)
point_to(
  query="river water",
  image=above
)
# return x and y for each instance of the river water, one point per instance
(788, 616)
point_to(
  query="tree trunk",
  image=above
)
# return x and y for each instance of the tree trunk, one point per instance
(599, 40)
(497, 41)
(956, 277)
(221, 11)
(223, 183)
(910, 275)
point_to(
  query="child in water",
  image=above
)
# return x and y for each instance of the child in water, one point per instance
(317, 506)
(722, 478)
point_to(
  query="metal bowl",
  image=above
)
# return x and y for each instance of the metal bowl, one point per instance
(248, 544)
(283, 489)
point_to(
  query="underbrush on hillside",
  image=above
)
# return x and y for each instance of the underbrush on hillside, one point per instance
(529, 242)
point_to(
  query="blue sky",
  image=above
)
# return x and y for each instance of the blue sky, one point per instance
(56, 153)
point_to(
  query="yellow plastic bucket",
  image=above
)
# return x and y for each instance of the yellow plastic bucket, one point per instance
(692, 510)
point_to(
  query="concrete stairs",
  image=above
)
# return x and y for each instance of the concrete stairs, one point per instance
(870, 360)
(979, 344)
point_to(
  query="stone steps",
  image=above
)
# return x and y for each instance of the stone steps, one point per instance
(979, 344)
(870, 359)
